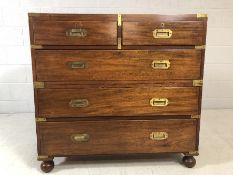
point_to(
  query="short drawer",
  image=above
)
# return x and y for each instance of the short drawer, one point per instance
(53, 32)
(67, 65)
(163, 33)
(137, 101)
(117, 137)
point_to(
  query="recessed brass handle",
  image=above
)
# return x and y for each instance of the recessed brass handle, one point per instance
(161, 64)
(80, 137)
(78, 103)
(76, 65)
(159, 102)
(158, 136)
(162, 33)
(76, 32)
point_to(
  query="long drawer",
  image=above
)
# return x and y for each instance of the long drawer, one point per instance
(117, 137)
(136, 101)
(66, 65)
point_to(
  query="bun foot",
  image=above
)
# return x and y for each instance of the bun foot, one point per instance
(189, 161)
(47, 166)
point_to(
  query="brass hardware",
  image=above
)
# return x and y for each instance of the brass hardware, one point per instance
(197, 82)
(76, 65)
(162, 24)
(38, 84)
(119, 20)
(192, 153)
(195, 116)
(78, 103)
(80, 137)
(161, 64)
(119, 43)
(162, 33)
(200, 47)
(158, 135)
(36, 46)
(159, 102)
(202, 15)
(33, 14)
(76, 32)
(40, 119)
(44, 157)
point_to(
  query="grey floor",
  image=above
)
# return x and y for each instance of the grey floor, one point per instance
(18, 151)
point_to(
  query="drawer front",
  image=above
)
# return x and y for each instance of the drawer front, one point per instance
(122, 136)
(74, 33)
(61, 65)
(136, 101)
(163, 33)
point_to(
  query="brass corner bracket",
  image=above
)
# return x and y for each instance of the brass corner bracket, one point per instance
(202, 15)
(44, 157)
(40, 119)
(119, 20)
(119, 43)
(202, 47)
(195, 116)
(33, 14)
(192, 153)
(40, 157)
(197, 82)
(38, 84)
(36, 46)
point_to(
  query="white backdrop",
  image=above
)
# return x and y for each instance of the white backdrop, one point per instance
(16, 91)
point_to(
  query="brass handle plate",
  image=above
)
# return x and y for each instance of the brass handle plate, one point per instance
(76, 65)
(162, 33)
(80, 137)
(159, 102)
(158, 136)
(161, 64)
(78, 103)
(76, 32)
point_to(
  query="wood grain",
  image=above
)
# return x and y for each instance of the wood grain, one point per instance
(160, 17)
(54, 33)
(51, 65)
(117, 84)
(71, 17)
(117, 137)
(117, 101)
(183, 33)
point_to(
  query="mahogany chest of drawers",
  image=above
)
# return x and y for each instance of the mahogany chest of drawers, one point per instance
(111, 85)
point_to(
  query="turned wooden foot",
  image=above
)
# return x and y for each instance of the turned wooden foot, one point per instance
(47, 166)
(189, 161)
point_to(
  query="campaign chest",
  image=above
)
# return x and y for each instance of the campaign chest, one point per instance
(113, 85)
